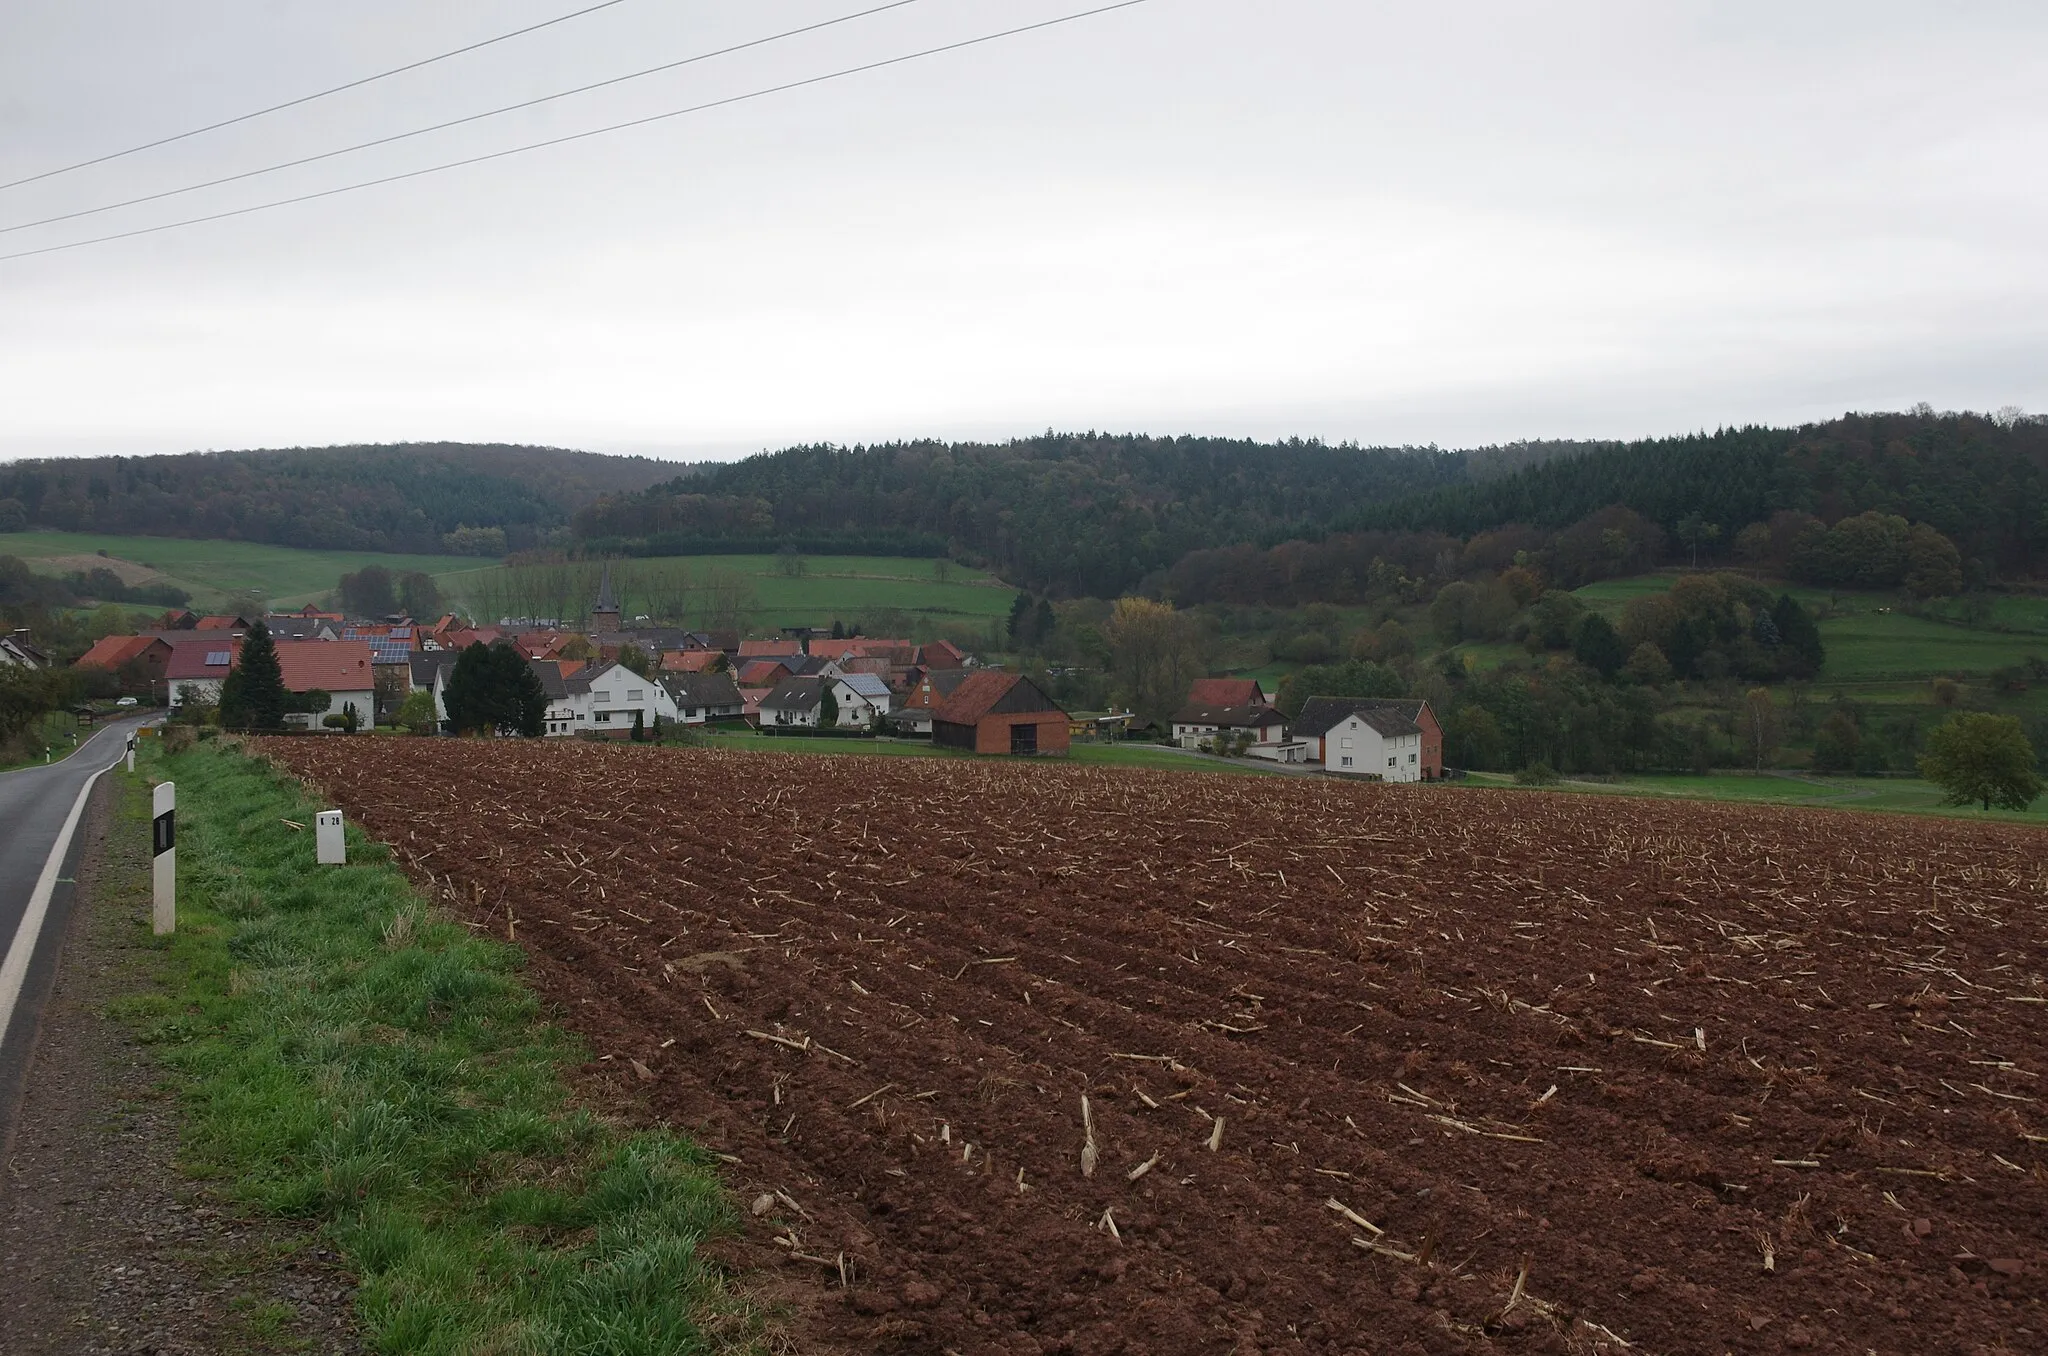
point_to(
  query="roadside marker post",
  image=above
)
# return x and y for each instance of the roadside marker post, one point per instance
(165, 868)
(131, 752)
(329, 846)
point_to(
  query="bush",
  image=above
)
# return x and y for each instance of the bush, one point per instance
(335, 722)
(1538, 773)
(416, 713)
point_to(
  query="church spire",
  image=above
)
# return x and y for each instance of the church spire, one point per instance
(604, 614)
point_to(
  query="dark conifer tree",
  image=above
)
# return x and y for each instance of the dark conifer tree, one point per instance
(1800, 652)
(252, 697)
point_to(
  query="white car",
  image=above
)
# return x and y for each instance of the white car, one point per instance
(125, 701)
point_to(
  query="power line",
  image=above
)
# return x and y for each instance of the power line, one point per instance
(309, 98)
(582, 136)
(454, 122)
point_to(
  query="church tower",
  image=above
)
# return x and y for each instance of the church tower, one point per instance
(604, 613)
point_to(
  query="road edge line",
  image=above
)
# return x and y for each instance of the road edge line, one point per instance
(14, 969)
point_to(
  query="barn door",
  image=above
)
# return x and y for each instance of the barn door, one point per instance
(1024, 738)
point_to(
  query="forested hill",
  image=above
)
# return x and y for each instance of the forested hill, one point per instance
(1981, 481)
(1066, 513)
(392, 497)
(1096, 514)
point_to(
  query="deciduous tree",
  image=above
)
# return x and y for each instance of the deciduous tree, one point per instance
(1982, 759)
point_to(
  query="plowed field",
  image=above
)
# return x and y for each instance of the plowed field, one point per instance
(1365, 1069)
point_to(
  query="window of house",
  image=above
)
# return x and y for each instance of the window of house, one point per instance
(604, 717)
(634, 694)
(1390, 762)
(602, 696)
(1345, 742)
(1347, 762)
(1411, 757)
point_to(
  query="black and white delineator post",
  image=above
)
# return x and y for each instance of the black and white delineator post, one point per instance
(165, 868)
(131, 751)
(330, 847)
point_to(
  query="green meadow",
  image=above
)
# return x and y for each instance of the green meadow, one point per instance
(1868, 639)
(214, 570)
(932, 596)
(941, 597)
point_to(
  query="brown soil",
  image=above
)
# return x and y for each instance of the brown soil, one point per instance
(1707, 1078)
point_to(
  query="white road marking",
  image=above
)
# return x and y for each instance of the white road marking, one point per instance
(14, 970)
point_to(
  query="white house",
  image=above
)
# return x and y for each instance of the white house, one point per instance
(701, 697)
(797, 701)
(1374, 743)
(18, 651)
(870, 689)
(604, 699)
(343, 669)
(1194, 725)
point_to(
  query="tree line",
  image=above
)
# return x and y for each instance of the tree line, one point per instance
(1068, 514)
(476, 499)
(1206, 519)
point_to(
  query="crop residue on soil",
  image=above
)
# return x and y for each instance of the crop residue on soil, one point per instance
(1365, 1068)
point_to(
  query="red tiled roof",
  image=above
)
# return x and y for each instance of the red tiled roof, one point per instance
(190, 653)
(690, 661)
(219, 624)
(942, 654)
(762, 672)
(1225, 692)
(111, 652)
(330, 665)
(753, 649)
(977, 696)
(862, 647)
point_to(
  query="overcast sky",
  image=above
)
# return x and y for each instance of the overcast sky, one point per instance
(1396, 223)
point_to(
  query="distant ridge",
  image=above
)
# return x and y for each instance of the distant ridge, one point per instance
(1083, 514)
(406, 497)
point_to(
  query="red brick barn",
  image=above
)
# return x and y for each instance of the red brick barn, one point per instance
(1000, 713)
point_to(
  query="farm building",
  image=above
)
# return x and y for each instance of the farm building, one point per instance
(1359, 736)
(140, 662)
(1000, 713)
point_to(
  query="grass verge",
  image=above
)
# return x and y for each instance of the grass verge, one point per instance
(348, 1057)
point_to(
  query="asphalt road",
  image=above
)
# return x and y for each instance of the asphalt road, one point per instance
(35, 803)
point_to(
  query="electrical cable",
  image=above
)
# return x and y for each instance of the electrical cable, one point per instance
(455, 122)
(309, 98)
(582, 136)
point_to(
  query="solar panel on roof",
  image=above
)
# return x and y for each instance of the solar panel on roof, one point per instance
(219, 656)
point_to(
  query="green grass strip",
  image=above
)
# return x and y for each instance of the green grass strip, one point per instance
(347, 1057)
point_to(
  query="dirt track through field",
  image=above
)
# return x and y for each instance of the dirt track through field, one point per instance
(1366, 1069)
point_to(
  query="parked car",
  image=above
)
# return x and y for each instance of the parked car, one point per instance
(125, 701)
